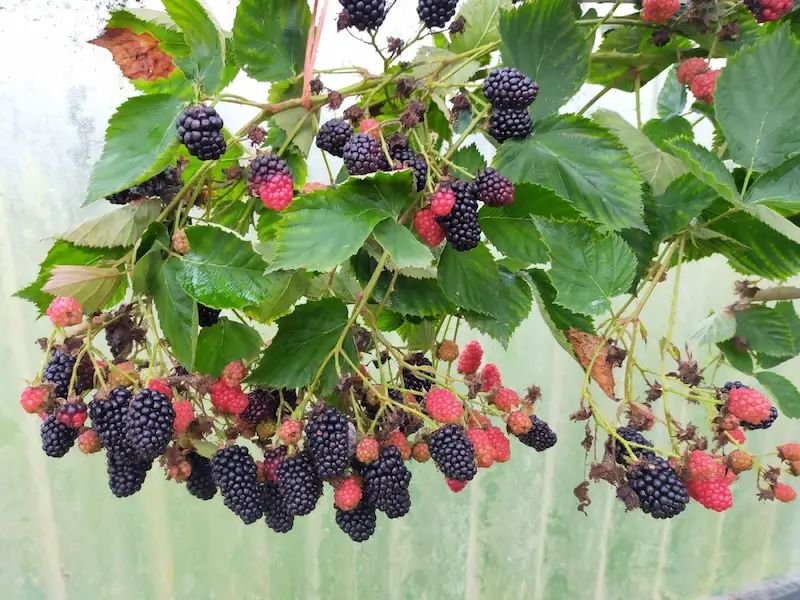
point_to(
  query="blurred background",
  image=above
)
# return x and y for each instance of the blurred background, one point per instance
(514, 532)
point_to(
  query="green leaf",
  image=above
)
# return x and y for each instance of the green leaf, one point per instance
(657, 168)
(785, 310)
(404, 249)
(235, 214)
(224, 343)
(468, 158)
(581, 162)
(706, 167)
(456, 73)
(204, 448)
(718, 327)
(146, 269)
(780, 188)
(305, 338)
(481, 26)
(757, 102)
(514, 305)
(206, 61)
(470, 279)
(782, 391)
(775, 221)
(270, 38)
(672, 97)
(684, 199)
(741, 360)
(511, 229)
(141, 141)
(587, 268)
(562, 318)
(155, 236)
(120, 227)
(177, 312)
(766, 331)
(288, 120)
(285, 288)
(542, 40)
(221, 270)
(660, 131)
(388, 320)
(93, 287)
(344, 286)
(418, 336)
(267, 225)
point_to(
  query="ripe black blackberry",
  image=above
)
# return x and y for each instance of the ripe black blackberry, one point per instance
(540, 437)
(386, 483)
(363, 155)
(234, 471)
(125, 478)
(108, 420)
(200, 130)
(436, 13)
(510, 123)
(363, 339)
(120, 336)
(264, 167)
(262, 404)
(59, 372)
(364, 14)
(662, 494)
(766, 423)
(299, 486)
(493, 189)
(275, 513)
(164, 185)
(358, 523)
(411, 381)
(333, 135)
(200, 483)
(461, 224)
(629, 434)
(509, 88)
(409, 158)
(57, 437)
(733, 385)
(328, 443)
(453, 453)
(149, 423)
(207, 316)
(122, 197)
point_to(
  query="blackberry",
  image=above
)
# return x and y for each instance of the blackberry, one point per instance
(436, 13)
(333, 135)
(57, 437)
(299, 486)
(122, 198)
(661, 37)
(207, 316)
(386, 483)
(358, 523)
(200, 130)
(276, 516)
(59, 372)
(328, 444)
(453, 453)
(125, 478)
(661, 492)
(510, 123)
(629, 434)
(164, 185)
(364, 14)
(540, 437)
(234, 471)
(262, 404)
(363, 155)
(108, 420)
(509, 88)
(149, 423)
(409, 158)
(411, 381)
(120, 337)
(363, 339)
(461, 224)
(733, 385)
(263, 168)
(290, 397)
(407, 422)
(766, 423)
(493, 189)
(200, 483)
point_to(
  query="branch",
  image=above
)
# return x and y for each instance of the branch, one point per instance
(785, 292)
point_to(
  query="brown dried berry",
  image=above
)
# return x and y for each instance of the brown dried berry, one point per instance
(448, 351)
(180, 243)
(739, 461)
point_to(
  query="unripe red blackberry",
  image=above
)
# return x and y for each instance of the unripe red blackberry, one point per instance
(299, 486)
(662, 494)
(540, 437)
(327, 440)
(263, 168)
(364, 155)
(493, 189)
(125, 478)
(149, 424)
(509, 88)
(364, 14)
(436, 13)
(200, 483)
(453, 453)
(234, 471)
(510, 123)
(57, 437)
(359, 523)
(768, 10)
(461, 224)
(200, 130)
(386, 484)
(275, 514)
(414, 161)
(333, 135)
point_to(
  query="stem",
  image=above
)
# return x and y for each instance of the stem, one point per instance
(664, 351)
(604, 20)
(295, 130)
(466, 133)
(637, 84)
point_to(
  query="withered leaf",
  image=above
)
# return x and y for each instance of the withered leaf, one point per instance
(138, 55)
(582, 494)
(588, 439)
(586, 346)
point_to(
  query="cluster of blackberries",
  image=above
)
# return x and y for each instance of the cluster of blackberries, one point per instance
(436, 13)
(164, 185)
(200, 130)
(510, 93)
(766, 423)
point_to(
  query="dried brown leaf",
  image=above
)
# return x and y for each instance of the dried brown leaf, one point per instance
(582, 494)
(586, 347)
(138, 55)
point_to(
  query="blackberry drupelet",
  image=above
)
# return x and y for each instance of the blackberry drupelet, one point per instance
(733, 385)
(493, 189)
(436, 13)
(149, 424)
(108, 420)
(662, 494)
(364, 14)
(409, 158)
(766, 423)
(629, 434)
(263, 168)
(411, 381)
(207, 316)
(262, 404)
(509, 88)
(453, 453)
(125, 478)
(358, 523)
(277, 517)
(299, 486)
(328, 444)
(461, 224)
(333, 135)
(510, 123)
(200, 483)
(363, 155)
(57, 437)
(234, 471)
(200, 130)
(59, 372)
(540, 437)
(386, 483)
